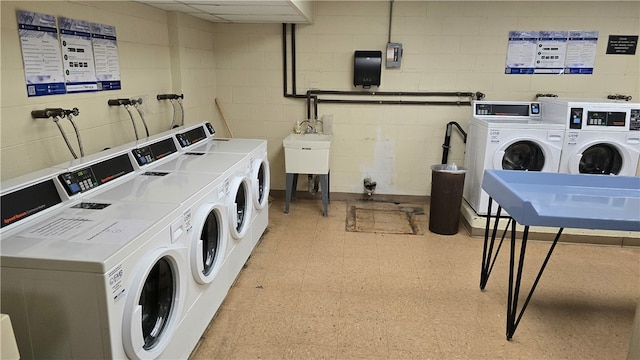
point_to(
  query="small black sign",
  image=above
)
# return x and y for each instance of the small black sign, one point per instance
(622, 44)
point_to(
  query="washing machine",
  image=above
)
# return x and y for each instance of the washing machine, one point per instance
(237, 188)
(97, 280)
(601, 137)
(508, 136)
(258, 167)
(203, 213)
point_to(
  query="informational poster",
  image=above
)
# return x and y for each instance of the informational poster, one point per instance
(43, 69)
(521, 52)
(77, 55)
(105, 52)
(551, 52)
(581, 52)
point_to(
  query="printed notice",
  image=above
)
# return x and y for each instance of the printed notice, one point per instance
(581, 52)
(60, 228)
(82, 229)
(550, 52)
(77, 54)
(105, 52)
(622, 44)
(521, 52)
(43, 67)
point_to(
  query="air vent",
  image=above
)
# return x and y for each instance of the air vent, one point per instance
(193, 153)
(155, 173)
(219, 139)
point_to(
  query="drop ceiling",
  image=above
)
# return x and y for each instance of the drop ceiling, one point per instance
(240, 11)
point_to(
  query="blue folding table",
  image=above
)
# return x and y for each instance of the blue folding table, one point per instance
(553, 200)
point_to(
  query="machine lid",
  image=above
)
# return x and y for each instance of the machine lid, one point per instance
(204, 163)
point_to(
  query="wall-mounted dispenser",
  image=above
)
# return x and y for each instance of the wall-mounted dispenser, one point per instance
(367, 66)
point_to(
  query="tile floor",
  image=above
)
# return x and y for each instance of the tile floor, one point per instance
(312, 290)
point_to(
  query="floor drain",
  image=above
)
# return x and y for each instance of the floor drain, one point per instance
(384, 217)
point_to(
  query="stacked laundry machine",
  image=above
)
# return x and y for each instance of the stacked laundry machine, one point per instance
(550, 135)
(126, 254)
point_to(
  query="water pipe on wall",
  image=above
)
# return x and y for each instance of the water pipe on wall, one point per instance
(174, 98)
(55, 114)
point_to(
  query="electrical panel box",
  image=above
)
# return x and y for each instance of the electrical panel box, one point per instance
(394, 55)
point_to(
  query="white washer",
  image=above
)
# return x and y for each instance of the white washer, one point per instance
(203, 213)
(601, 137)
(238, 197)
(258, 168)
(97, 280)
(508, 136)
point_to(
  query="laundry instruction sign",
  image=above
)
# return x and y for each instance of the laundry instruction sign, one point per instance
(551, 52)
(67, 55)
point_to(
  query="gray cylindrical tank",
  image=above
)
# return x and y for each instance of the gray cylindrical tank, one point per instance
(447, 183)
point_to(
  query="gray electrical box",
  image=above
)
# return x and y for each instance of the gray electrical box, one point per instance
(394, 55)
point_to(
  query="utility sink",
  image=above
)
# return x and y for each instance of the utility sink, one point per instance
(307, 153)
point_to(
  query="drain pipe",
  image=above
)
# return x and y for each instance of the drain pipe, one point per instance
(447, 140)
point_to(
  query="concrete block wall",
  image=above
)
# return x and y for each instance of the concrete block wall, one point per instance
(448, 46)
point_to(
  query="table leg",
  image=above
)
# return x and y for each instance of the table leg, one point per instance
(514, 288)
(487, 250)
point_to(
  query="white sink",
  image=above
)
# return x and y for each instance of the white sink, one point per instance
(307, 153)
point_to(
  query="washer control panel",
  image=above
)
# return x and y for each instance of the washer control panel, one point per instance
(87, 178)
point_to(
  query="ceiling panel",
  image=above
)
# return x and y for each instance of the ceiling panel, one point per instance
(238, 11)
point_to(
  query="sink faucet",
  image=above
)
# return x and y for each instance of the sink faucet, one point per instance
(310, 127)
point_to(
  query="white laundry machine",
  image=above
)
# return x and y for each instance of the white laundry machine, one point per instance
(203, 213)
(258, 168)
(508, 136)
(601, 137)
(97, 280)
(237, 187)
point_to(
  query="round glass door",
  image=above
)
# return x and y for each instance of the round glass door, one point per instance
(523, 155)
(156, 301)
(209, 243)
(261, 191)
(240, 209)
(600, 159)
(241, 206)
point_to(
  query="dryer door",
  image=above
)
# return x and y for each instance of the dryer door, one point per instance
(153, 306)
(520, 155)
(209, 242)
(240, 208)
(262, 182)
(597, 158)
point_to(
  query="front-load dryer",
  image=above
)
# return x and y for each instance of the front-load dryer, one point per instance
(508, 136)
(601, 137)
(97, 280)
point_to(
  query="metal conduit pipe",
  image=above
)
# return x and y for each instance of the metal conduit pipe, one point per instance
(447, 140)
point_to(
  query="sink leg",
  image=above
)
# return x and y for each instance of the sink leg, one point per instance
(291, 184)
(324, 185)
